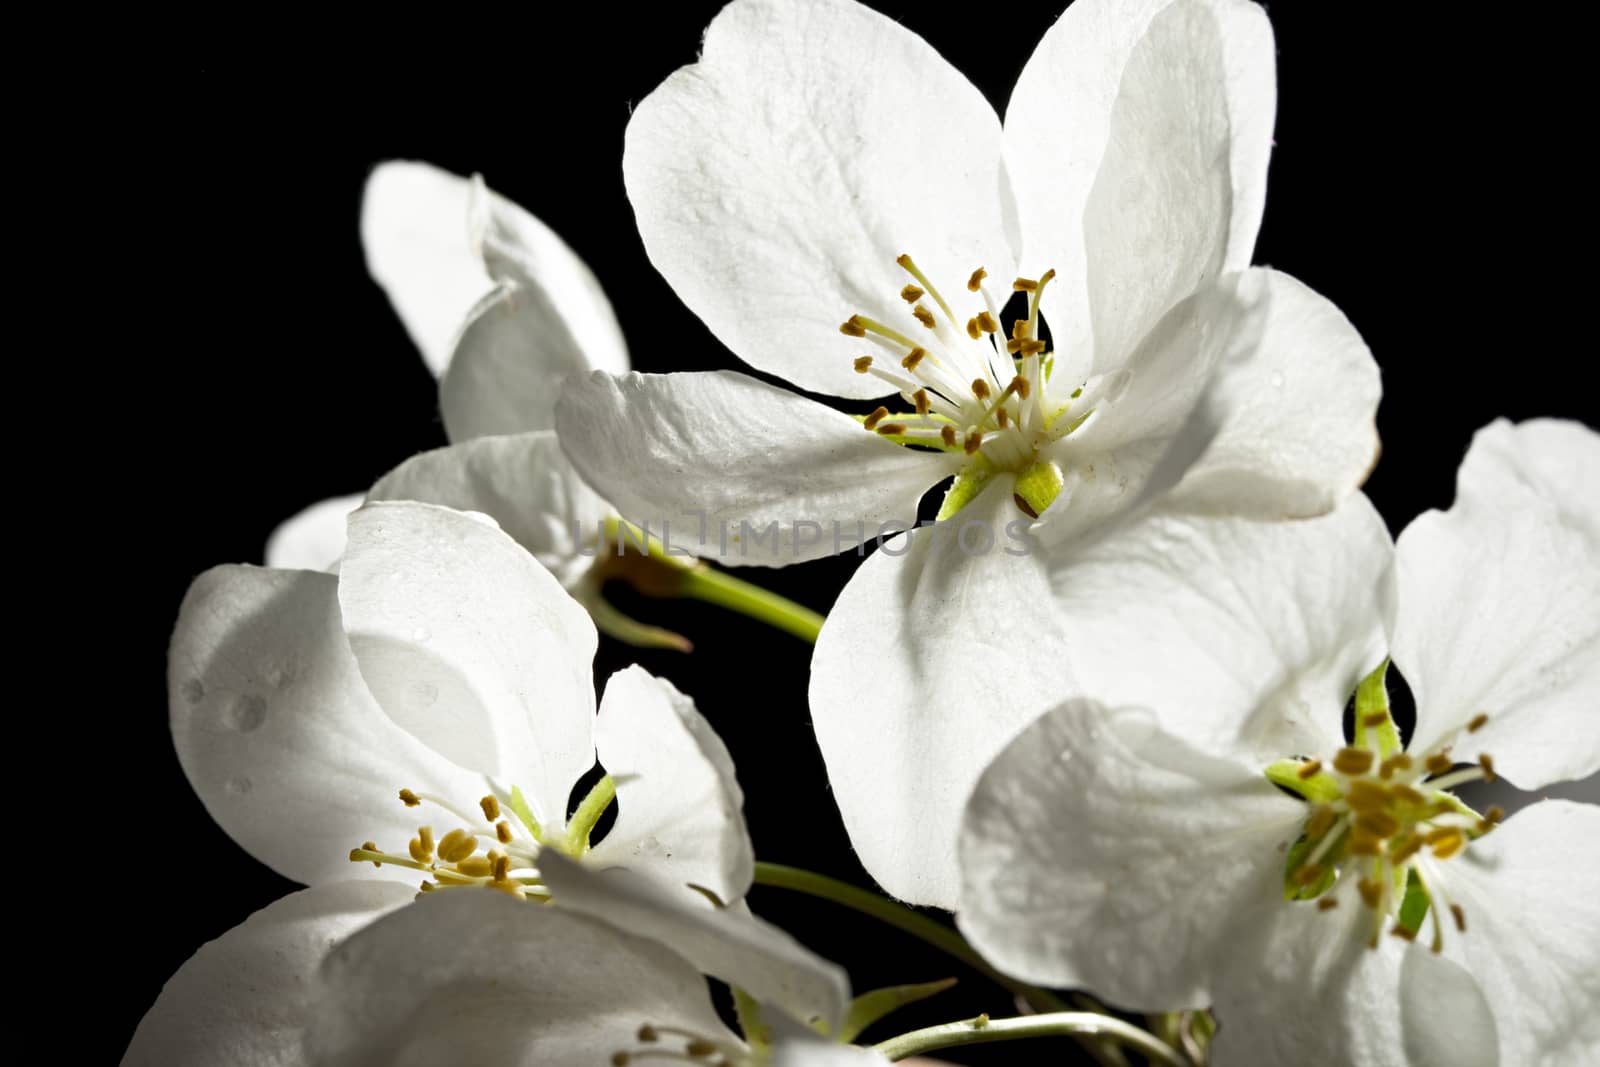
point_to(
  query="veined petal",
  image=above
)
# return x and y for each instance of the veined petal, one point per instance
(1530, 894)
(1497, 612)
(1555, 458)
(244, 998)
(414, 227)
(474, 977)
(1098, 851)
(1137, 140)
(680, 817)
(776, 181)
(472, 646)
(268, 707)
(312, 539)
(708, 461)
(523, 481)
(546, 320)
(730, 944)
(1263, 630)
(927, 665)
(1288, 421)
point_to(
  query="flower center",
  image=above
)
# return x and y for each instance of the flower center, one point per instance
(971, 389)
(509, 861)
(681, 1046)
(1387, 818)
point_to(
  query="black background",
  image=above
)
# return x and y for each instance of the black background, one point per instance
(1423, 180)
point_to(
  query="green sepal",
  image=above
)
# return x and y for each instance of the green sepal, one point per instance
(519, 805)
(1292, 890)
(965, 489)
(1372, 697)
(1414, 906)
(756, 1033)
(1320, 788)
(1039, 485)
(868, 1008)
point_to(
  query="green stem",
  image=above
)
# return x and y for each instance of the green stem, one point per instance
(1077, 1024)
(901, 918)
(724, 590)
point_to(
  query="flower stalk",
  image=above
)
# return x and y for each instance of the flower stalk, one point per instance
(1078, 1024)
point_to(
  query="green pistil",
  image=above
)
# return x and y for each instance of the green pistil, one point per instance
(588, 814)
(1372, 702)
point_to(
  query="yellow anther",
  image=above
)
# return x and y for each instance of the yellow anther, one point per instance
(647, 1034)
(1446, 842)
(1477, 722)
(1308, 874)
(1363, 842)
(700, 1047)
(1020, 386)
(1366, 795)
(619, 1059)
(418, 852)
(973, 442)
(1486, 762)
(1407, 795)
(1004, 420)
(975, 282)
(1031, 347)
(1412, 846)
(911, 294)
(1046, 276)
(502, 832)
(1327, 903)
(1496, 814)
(370, 846)
(476, 867)
(1379, 824)
(1024, 285)
(890, 429)
(1397, 762)
(924, 316)
(1019, 329)
(457, 845)
(428, 887)
(409, 799)
(973, 331)
(1403, 933)
(920, 398)
(1309, 769)
(980, 389)
(491, 808)
(915, 356)
(1353, 760)
(1374, 718)
(877, 416)
(987, 323)
(863, 364)
(1459, 916)
(1371, 892)
(1438, 763)
(852, 327)
(1014, 345)
(947, 434)
(1321, 822)
(502, 866)
(508, 887)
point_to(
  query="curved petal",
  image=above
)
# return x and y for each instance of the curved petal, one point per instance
(312, 539)
(472, 646)
(729, 944)
(474, 977)
(1290, 420)
(1530, 893)
(1137, 140)
(414, 227)
(523, 482)
(680, 817)
(1555, 458)
(268, 712)
(546, 321)
(730, 468)
(776, 181)
(935, 654)
(1168, 850)
(1497, 612)
(1262, 630)
(243, 998)
(1445, 1021)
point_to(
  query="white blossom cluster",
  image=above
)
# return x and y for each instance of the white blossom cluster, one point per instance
(1152, 756)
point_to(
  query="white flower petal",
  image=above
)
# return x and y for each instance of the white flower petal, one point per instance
(474, 977)
(472, 646)
(1445, 1021)
(1557, 459)
(713, 459)
(730, 944)
(1262, 630)
(1530, 892)
(243, 998)
(680, 817)
(312, 539)
(776, 180)
(268, 708)
(927, 665)
(1137, 140)
(1290, 428)
(1497, 611)
(414, 227)
(1098, 851)
(523, 481)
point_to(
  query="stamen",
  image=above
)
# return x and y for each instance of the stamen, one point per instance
(1403, 933)
(863, 364)
(924, 316)
(920, 398)
(491, 808)
(1353, 760)
(1030, 347)
(911, 294)
(973, 330)
(1320, 821)
(986, 323)
(1487, 763)
(1004, 420)
(1374, 718)
(911, 268)
(1327, 903)
(410, 799)
(457, 845)
(974, 442)
(1460, 917)
(1020, 386)
(980, 389)
(502, 832)
(915, 356)
(877, 416)
(1371, 892)
(889, 429)
(852, 327)
(1397, 762)
(975, 282)
(1309, 770)
(1438, 763)
(1446, 842)
(1024, 285)
(1477, 722)
(948, 436)
(1412, 846)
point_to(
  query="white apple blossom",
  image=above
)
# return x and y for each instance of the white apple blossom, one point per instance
(440, 681)
(1203, 833)
(473, 978)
